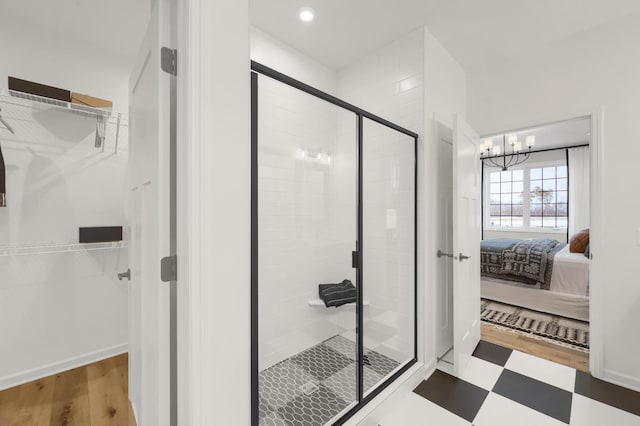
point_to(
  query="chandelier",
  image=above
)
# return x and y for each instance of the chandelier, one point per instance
(498, 157)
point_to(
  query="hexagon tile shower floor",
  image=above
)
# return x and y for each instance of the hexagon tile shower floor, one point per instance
(312, 387)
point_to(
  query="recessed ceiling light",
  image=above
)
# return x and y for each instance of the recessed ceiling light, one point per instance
(306, 14)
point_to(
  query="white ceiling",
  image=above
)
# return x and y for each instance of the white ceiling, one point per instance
(555, 135)
(114, 26)
(475, 32)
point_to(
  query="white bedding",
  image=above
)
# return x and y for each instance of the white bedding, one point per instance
(570, 273)
(569, 290)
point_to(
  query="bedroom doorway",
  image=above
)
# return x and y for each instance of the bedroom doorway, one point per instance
(535, 248)
(535, 255)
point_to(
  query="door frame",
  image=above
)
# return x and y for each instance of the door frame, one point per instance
(212, 242)
(156, 325)
(442, 267)
(596, 226)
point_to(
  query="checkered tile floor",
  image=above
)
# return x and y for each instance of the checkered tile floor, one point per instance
(506, 387)
(312, 387)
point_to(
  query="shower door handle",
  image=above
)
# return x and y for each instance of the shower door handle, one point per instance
(354, 259)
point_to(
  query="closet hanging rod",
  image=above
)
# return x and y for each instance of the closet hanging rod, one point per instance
(5, 124)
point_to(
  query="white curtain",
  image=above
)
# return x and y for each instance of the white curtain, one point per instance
(578, 189)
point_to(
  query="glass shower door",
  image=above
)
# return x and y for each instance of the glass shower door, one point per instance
(388, 245)
(307, 216)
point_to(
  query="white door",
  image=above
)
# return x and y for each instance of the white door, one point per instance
(466, 243)
(149, 201)
(444, 269)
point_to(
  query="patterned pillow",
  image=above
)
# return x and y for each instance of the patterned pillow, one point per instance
(578, 243)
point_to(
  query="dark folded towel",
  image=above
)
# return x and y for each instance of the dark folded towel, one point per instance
(337, 294)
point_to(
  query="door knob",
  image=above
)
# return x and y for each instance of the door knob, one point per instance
(462, 257)
(441, 253)
(123, 275)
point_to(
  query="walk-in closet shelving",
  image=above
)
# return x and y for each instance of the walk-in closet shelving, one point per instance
(37, 120)
(58, 247)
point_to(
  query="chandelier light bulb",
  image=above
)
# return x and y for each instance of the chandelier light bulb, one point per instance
(531, 141)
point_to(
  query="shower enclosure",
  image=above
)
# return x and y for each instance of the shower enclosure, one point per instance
(333, 200)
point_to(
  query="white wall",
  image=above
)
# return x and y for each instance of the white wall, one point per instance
(59, 310)
(388, 82)
(62, 62)
(445, 95)
(570, 78)
(275, 54)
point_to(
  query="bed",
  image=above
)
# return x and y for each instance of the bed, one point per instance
(538, 274)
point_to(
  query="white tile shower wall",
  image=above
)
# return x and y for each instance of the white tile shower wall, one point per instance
(306, 208)
(298, 247)
(389, 83)
(271, 52)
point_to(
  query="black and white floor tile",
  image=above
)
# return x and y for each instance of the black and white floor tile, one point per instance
(506, 387)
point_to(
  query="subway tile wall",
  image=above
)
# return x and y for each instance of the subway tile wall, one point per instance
(389, 83)
(307, 205)
(307, 218)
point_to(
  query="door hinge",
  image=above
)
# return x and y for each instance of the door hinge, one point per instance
(169, 60)
(169, 268)
(354, 259)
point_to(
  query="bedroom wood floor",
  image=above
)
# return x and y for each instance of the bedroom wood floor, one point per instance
(542, 349)
(95, 395)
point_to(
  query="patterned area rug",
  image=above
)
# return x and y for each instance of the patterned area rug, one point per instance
(559, 330)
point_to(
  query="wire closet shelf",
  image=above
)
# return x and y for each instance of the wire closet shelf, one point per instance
(32, 118)
(58, 247)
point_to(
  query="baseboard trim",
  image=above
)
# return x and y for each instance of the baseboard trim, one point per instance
(622, 379)
(429, 369)
(132, 407)
(27, 376)
(374, 411)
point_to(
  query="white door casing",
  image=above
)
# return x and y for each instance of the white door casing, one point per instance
(466, 242)
(444, 288)
(149, 201)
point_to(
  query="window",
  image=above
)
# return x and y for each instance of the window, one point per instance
(507, 202)
(534, 197)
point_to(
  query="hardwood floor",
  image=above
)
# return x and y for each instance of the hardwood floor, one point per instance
(540, 348)
(92, 395)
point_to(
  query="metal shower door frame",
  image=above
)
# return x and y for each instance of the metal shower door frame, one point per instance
(259, 69)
